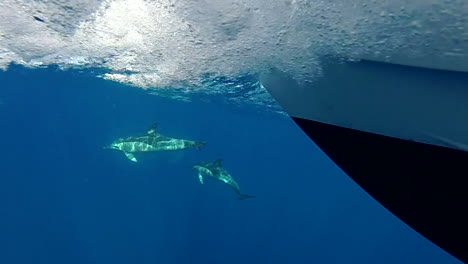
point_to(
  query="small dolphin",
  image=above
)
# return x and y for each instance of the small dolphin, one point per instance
(214, 169)
(151, 141)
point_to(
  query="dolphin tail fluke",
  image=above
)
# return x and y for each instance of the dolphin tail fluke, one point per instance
(245, 196)
(200, 144)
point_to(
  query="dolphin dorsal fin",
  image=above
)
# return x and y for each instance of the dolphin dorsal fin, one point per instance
(153, 129)
(218, 162)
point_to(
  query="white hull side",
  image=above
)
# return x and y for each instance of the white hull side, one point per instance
(417, 104)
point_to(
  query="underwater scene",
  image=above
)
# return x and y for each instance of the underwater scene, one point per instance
(140, 132)
(66, 198)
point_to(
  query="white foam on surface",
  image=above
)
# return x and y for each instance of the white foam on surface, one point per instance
(171, 43)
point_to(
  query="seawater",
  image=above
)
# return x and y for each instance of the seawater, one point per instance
(64, 199)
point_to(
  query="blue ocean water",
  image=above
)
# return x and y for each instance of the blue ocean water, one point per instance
(64, 199)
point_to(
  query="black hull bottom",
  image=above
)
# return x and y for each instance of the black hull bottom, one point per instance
(426, 186)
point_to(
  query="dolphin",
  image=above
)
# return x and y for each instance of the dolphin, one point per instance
(214, 169)
(151, 141)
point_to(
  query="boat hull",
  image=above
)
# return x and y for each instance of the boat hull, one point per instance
(400, 132)
(422, 184)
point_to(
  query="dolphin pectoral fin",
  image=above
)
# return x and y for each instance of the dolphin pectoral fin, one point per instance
(130, 156)
(200, 177)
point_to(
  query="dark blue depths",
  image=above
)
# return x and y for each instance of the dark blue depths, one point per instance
(63, 199)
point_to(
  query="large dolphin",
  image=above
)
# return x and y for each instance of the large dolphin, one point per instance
(214, 169)
(151, 141)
